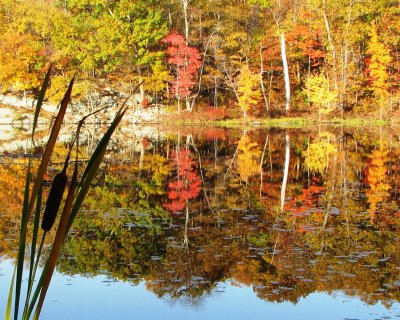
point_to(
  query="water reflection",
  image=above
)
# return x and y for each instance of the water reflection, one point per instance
(288, 212)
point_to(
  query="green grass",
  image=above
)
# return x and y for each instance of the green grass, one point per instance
(284, 122)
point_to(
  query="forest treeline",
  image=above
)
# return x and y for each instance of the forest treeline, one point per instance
(223, 57)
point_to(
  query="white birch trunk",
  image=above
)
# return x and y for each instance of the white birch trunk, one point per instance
(285, 171)
(261, 80)
(285, 72)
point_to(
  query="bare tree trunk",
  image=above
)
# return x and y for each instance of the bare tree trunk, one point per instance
(177, 95)
(343, 172)
(141, 159)
(285, 171)
(185, 4)
(141, 81)
(185, 232)
(286, 72)
(331, 44)
(261, 80)
(261, 165)
(202, 68)
(215, 92)
(345, 60)
(270, 86)
(231, 82)
(330, 195)
(188, 104)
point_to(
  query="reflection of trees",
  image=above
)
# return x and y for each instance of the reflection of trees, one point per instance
(185, 185)
(323, 240)
(376, 179)
(248, 158)
(279, 263)
(318, 153)
(285, 170)
(119, 244)
(12, 183)
(193, 273)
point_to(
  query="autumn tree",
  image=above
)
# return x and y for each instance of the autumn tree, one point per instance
(24, 43)
(249, 94)
(319, 92)
(20, 61)
(186, 60)
(389, 31)
(377, 68)
(114, 39)
(305, 47)
(377, 180)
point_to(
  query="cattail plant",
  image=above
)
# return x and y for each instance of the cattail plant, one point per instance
(54, 199)
(32, 199)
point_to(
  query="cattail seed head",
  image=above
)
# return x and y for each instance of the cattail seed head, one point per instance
(54, 200)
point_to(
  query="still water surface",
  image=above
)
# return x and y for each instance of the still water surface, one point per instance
(216, 223)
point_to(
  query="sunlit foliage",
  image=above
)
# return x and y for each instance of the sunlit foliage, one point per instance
(318, 153)
(249, 154)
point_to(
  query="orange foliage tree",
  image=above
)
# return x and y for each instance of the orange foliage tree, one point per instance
(376, 178)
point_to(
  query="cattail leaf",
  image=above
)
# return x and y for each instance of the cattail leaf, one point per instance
(35, 295)
(99, 148)
(54, 200)
(29, 201)
(7, 315)
(94, 164)
(22, 242)
(36, 227)
(47, 274)
(42, 93)
(50, 146)
(34, 241)
(117, 118)
(30, 283)
(73, 208)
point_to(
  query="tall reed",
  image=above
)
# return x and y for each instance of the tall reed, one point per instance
(32, 204)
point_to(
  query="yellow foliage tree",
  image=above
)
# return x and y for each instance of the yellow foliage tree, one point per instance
(318, 153)
(248, 91)
(25, 34)
(377, 68)
(158, 80)
(249, 154)
(20, 62)
(318, 92)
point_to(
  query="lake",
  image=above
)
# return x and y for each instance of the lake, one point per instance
(217, 223)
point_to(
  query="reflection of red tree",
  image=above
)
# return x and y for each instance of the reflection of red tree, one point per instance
(185, 185)
(305, 206)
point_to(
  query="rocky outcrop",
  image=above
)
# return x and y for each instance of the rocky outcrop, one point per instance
(25, 102)
(109, 100)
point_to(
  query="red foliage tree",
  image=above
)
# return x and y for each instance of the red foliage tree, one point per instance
(185, 185)
(305, 43)
(187, 61)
